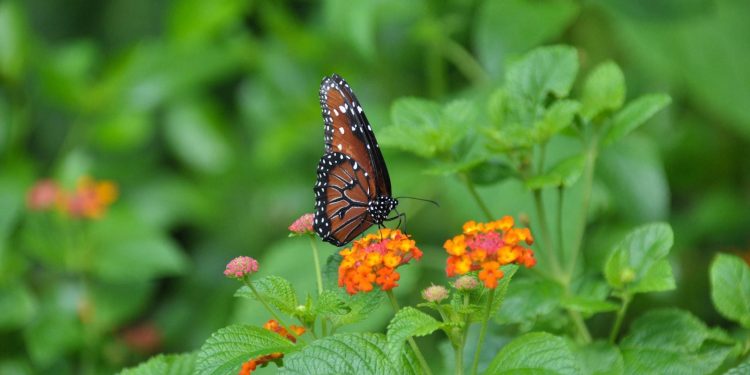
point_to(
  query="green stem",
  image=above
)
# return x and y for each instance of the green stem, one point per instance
(588, 183)
(316, 259)
(412, 343)
(319, 279)
(475, 194)
(583, 331)
(560, 239)
(549, 252)
(270, 310)
(483, 332)
(464, 61)
(626, 298)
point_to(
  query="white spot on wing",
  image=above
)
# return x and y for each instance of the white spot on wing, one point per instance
(341, 129)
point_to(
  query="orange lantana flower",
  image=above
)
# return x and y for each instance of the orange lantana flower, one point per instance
(484, 247)
(274, 326)
(374, 258)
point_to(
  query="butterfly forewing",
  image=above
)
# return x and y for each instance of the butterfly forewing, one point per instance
(371, 144)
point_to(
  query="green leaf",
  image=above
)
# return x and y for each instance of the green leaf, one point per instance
(347, 353)
(359, 306)
(425, 128)
(634, 115)
(330, 303)
(556, 118)
(408, 322)
(604, 90)
(565, 173)
(671, 341)
(17, 304)
(192, 132)
(542, 72)
(741, 369)
(228, 348)
(529, 298)
(730, 288)
(599, 358)
(638, 263)
(509, 27)
(173, 364)
(588, 305)
(502, 288)
(535, 353)
(129, 250)
(275, 290)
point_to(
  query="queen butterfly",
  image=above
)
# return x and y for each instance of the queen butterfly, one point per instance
(353, 190)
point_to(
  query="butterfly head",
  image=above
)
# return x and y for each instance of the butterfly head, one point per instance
(380, 207)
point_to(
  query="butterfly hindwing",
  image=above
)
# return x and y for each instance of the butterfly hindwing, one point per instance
(342, 193)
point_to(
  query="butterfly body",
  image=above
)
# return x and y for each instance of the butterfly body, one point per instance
(353, 189)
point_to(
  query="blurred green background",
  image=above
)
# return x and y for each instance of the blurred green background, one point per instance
(205, 113)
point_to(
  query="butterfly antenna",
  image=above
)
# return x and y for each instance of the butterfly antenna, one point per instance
(421, 199)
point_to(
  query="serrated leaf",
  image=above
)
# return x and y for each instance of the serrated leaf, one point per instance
(671, 341)
(529, 298)
(741, 369)
(425, 128)
(564, 173)
(275, 290)
(174, 364)
(730, 288)
(604, 90)
(406, 323)
(415, 127)
(535, 353)
(638, 263)
(347, 353)
(541, 72)
(360, 305)
(228, 348)
(330, 303)
(510, 137)
(599, 358)
(634, 115)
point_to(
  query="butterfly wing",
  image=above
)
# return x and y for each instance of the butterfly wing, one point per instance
(342, 193)
(348, 131)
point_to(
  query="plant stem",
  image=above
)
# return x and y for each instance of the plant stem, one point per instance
(464, 61)
(588, 183)
(412, 343)
(475, 194)
(583, 331)
(549, 248)
(626, 298)
(316, 259)
(270, 310)
(482, 332)
(560, 239)
(319, 279)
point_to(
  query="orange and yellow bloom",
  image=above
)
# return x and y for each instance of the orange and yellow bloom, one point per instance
(373, 259)
(484, 247)
(274, 326)
(89, 200)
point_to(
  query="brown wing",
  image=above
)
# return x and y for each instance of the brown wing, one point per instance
(342, 193)
(378, 168)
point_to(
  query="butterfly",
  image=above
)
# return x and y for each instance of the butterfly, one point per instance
(353, 189)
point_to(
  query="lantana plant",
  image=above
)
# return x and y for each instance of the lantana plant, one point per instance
(539, 319)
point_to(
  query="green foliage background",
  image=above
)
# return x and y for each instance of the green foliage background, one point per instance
(206, 115)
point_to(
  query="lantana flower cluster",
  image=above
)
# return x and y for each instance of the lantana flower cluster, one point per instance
(89, 200)
(374, 259)
(274, 326)
(484, 247)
